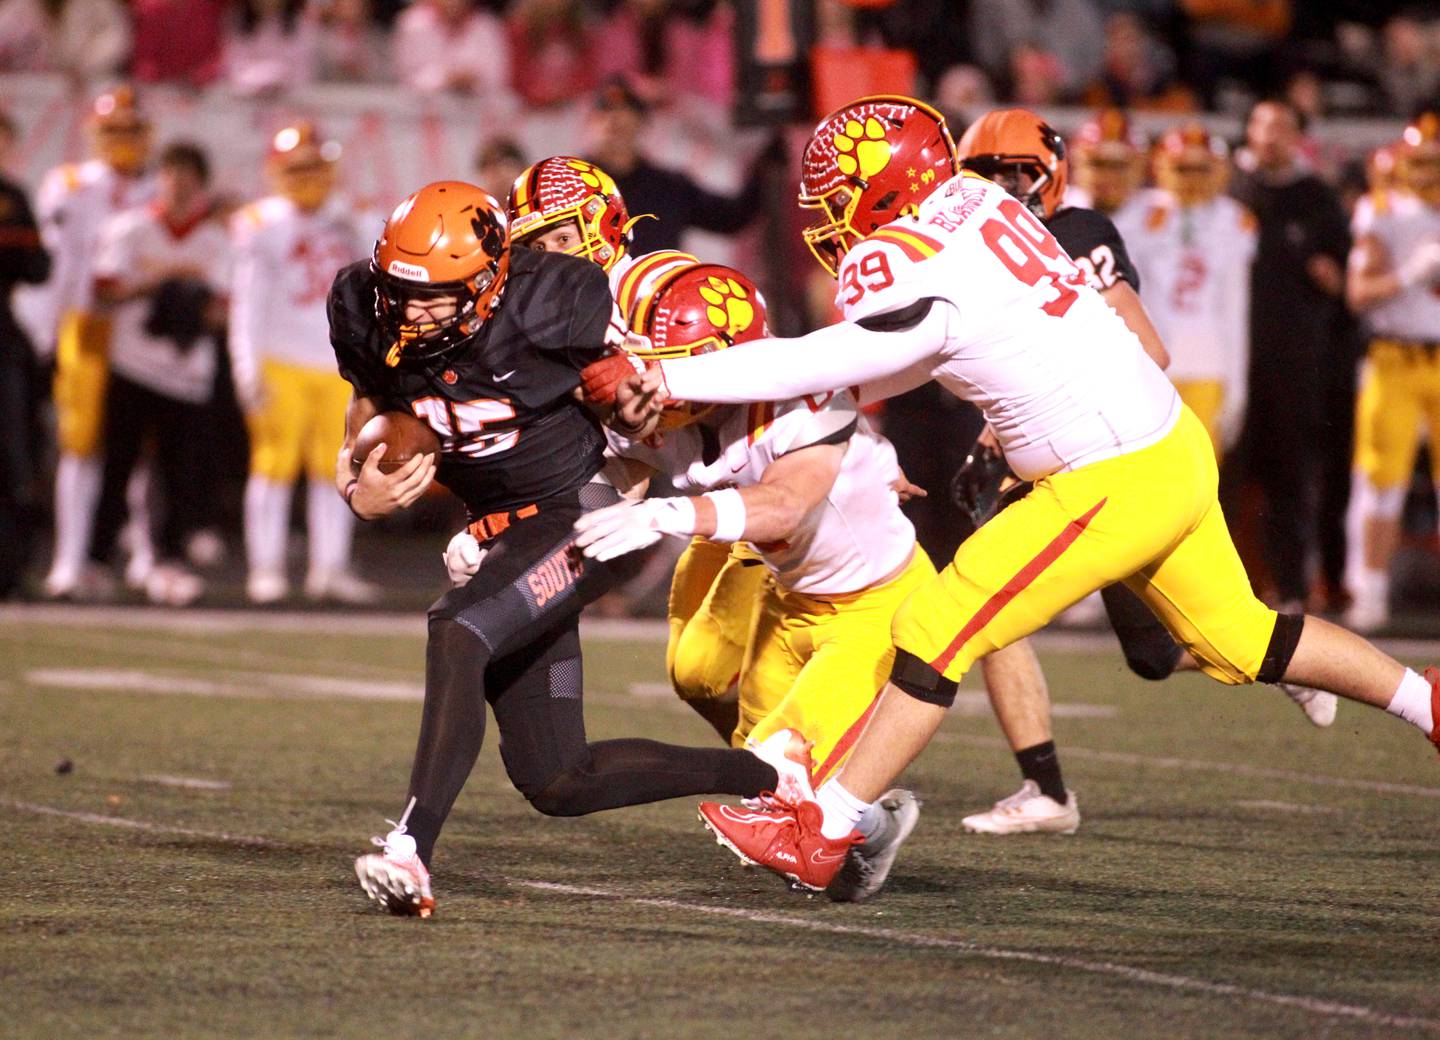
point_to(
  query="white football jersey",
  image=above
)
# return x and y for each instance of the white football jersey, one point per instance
(1402, 223)
(285, 261)
(1194, 265)
(850, 541)
(1011, 325)
(73, 204)
(135, 244)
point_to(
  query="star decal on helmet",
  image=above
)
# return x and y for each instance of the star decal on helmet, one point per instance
(862, 149)
(728, 305)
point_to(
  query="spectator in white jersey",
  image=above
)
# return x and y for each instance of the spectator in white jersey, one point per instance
(161, 273)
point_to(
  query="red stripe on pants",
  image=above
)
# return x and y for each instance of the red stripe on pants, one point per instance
(1018, 584)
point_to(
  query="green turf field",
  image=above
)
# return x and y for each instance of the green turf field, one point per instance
(1238, 872)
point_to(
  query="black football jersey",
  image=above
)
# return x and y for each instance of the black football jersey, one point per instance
(1093, 242)
(510, 432)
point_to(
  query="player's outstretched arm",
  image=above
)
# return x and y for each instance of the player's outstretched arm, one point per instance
(770, 511)
(840, 355)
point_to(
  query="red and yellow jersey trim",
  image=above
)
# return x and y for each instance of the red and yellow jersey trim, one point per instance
(915, 245)
(637, 278)
(760, 419)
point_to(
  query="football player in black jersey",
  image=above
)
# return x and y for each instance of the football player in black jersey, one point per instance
(485, 344)
(1024, 155)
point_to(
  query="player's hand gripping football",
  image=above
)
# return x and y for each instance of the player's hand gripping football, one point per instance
(379, 494)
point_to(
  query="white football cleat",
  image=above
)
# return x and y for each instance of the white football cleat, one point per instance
(1319, 707)
(868, 865)
(789, 753)
(173, 586)
(1027, 811)
(340, 587)
(1367, 614)
(88, 583)
(395, 878)
(264, 587)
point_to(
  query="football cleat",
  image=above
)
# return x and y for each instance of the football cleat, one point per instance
(263, 587)
(1368, 613)
(395, 877)
(1027, 811)
(786, 840)
(1319, 707)
(868, 865)
(340, 586)
(789, 754)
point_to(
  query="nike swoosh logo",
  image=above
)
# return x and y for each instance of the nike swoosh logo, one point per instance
(820, 857)
(501, 378)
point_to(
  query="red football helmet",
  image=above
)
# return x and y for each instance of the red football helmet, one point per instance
(446, 240)
(692, 309)
(1107, 159)
(866, 164)
(1191, 163)
(1010, 141)
(563, 188)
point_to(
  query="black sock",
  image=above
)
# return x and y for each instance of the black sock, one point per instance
(1041, 763)
(634, 772)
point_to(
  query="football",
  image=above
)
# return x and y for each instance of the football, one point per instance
(403, 435)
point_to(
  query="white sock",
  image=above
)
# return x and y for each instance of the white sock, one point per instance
(77, 492)
(842, 810)
(1412, 702)
(873, 820)
(137, 536)
(267, 520)
(329, 525)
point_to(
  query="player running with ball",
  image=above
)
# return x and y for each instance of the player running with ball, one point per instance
(949, 277)
(484, 344)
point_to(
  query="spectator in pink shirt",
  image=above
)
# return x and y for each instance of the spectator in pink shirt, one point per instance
(449, 45)
(177, 41)
(551, 51)
(273, 45)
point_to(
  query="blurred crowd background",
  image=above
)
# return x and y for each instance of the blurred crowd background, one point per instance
(699, 109)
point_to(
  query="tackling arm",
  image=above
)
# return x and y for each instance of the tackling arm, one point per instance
(843, 354)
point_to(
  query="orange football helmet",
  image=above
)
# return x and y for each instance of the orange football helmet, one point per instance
(448, 239)
(690, 309)
(1191, 164)
(866, 164)
(563, 188)
(1107, 159)
(302, 164)
(1417, 161)
(1011, 142)
(119, 130)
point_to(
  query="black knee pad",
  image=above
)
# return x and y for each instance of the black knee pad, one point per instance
(1283, 642)
(921, 681)
(1153, 659)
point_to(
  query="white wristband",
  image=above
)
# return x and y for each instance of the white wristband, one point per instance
(729, 514)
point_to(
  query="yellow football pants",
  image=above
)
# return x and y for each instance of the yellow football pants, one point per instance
(301, 423)
(1399, 393)
(815, 665)
(712, 600)
(82, 373)
(1205, 397)
(1149, 518)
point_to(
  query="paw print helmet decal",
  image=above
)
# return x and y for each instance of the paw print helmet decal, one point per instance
(1010, 143)
(563, 188)
(447, 241)
(695, 309)
(866, 164)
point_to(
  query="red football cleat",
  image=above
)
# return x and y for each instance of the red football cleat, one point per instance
(1432, 676)
(786, 840)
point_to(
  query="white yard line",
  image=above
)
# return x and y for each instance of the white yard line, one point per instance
(272, 685)
(1285, 807)
(1202, 766)
(894, 936)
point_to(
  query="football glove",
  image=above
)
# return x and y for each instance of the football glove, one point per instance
(601, 379)
(979, 486)
(462, 557)
(628, 526)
